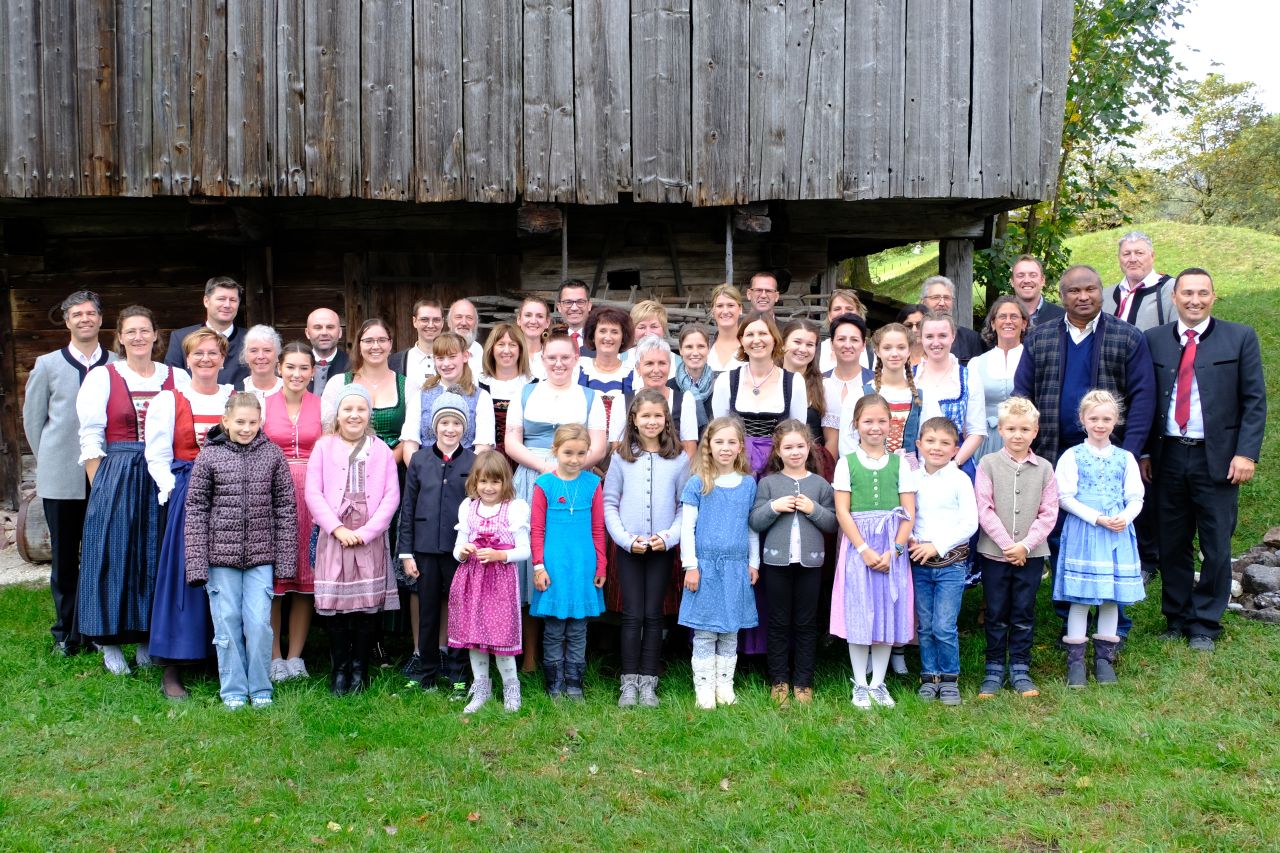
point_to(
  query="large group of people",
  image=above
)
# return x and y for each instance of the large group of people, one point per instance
(758, 485)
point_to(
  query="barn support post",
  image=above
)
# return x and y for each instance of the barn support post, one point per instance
(955, 261)
(728, 246)
(10, 442)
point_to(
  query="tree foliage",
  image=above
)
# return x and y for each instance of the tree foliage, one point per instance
(1120, 66)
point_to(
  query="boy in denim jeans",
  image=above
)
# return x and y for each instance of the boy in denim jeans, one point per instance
(1017, 509)
(946, 517)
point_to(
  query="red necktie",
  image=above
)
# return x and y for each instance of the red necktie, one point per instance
(1186, 376)
(577, 344)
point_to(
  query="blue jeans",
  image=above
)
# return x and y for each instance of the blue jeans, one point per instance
(564, 640)
(240, 602)
(938, 596)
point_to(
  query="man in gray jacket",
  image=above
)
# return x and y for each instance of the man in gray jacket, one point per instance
(53, 431)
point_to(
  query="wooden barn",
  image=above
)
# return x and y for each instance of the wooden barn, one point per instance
(362, 153)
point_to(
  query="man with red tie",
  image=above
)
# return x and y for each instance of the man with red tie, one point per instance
(1144, 297)
(574, 304)
(324, 333)
(1211, 411)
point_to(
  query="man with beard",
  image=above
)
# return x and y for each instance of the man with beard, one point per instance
(463, 320)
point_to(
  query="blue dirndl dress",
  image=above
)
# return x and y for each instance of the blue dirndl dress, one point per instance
(1097, 565)
(181, 627)
(119, 552)
(570, 552)
(724, 601)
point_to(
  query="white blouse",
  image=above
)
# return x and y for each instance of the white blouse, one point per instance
(1068, 476)
(906, 477)
(159, 429)
(552, 405)
(259, 393)
(932, 391)
(91, 402)
(485, 428)
(767, 401)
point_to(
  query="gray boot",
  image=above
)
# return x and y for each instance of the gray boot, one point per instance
(511, 695)
(630, 691)
(1104, 659)
(1077, 675)
(992, 681)
(481, 691)
(649, 691)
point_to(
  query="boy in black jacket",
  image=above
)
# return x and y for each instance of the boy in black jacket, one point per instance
(434, 488)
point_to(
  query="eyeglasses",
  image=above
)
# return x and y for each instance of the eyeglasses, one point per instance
(375, 342)
(762, 290)
(431, 321)
(574, 303)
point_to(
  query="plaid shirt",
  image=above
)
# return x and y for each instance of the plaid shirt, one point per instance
(1121, 364)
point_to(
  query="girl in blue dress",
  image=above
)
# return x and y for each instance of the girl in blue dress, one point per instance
(721, 557)
(1100, 488)
(568, 559)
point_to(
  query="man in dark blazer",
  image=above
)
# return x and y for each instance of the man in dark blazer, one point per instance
(938, 294)
(1026, 277)
(1211, 412)
(324, 333)
(221, 304)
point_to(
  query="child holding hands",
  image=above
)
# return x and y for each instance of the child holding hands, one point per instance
(946, 516)
(1099, 485)
(1017, 498)
(794, 507)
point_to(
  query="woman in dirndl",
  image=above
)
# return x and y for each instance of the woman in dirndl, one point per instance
(123, 520)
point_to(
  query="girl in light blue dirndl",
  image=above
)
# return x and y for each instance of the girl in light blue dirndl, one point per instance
(1101, 489)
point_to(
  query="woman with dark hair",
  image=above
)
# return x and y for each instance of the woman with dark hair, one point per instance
(1005, 327)
(800, 356)
(841, 302)
(122, 523)
(178, 422)
(844, 383)
(912, 317)
(504, 371)
(608, 331)
(291, 420)
(369, 369)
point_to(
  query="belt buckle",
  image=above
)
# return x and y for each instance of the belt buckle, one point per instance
(1189, 442)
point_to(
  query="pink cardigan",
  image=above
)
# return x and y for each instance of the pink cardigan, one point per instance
(327, 481)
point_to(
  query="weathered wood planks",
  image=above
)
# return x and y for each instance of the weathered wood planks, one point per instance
(708, 102)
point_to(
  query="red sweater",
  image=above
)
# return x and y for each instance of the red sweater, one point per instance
(538, 525)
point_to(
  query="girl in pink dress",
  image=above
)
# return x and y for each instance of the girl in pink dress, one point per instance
(291, 419)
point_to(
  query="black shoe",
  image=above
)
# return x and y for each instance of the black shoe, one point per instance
(415, 669)
(67, 649)
(1201, 642)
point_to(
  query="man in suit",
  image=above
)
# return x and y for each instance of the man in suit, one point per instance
(1027, 280)
(1211, 412)
(938, 294)
(221, 304)
(1144, 297)
(574, 304)
(418, 361)
(324, 333)
(53, 431)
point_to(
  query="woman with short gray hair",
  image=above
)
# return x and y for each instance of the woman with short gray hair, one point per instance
(261, 354)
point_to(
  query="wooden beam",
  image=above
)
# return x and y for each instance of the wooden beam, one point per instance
(10, 440)
(955, 261)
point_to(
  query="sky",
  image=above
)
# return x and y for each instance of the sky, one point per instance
(1240, 35)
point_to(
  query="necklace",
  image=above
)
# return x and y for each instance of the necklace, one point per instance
(755, 386)
(573, 501)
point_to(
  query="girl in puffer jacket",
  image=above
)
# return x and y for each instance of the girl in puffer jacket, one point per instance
(241, 532)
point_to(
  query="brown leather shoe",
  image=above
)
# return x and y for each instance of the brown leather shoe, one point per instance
(804, 695)
(781, 694)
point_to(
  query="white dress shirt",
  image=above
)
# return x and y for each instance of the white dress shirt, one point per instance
(1195, 419)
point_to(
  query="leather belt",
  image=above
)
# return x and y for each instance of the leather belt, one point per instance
(1189, 442)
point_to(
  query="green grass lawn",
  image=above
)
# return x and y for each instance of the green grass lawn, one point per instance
(1182, 754)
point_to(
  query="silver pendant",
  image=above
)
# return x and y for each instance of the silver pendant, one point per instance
(755, 391)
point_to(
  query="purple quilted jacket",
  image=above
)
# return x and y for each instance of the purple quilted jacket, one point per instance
(241, 509)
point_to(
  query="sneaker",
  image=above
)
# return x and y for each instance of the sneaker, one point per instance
(297, 668)
(142, 655)
(991, 682)
(113, 660)
(928, 691)
(1020, 681)
(459, 692)
(880, 695)
(278, 671)
(1201, 643)
(262, 702)
(511, 695)
(414, 670)
(781, 695)
(898, 663)
(481, 690)
(233, 704)
(861, 697)
(804, 695)
(949, 693)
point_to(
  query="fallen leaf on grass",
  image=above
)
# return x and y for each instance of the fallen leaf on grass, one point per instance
(420, 819)
(315, 839)
(1084, 782)
(724, 784)
(390, 830)
(572, 733)
(473, 817)
(334, 826)
(637, 771)
(257, 819)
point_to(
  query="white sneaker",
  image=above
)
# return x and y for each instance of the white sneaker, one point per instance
(511, 695)
(278, 670)
(296, 668)
(880, 695)
(113, 660)
(481, 690)
(861, 697)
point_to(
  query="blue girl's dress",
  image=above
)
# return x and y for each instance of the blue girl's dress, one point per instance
(724, 601)
(1097, 565)
(569, 552)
